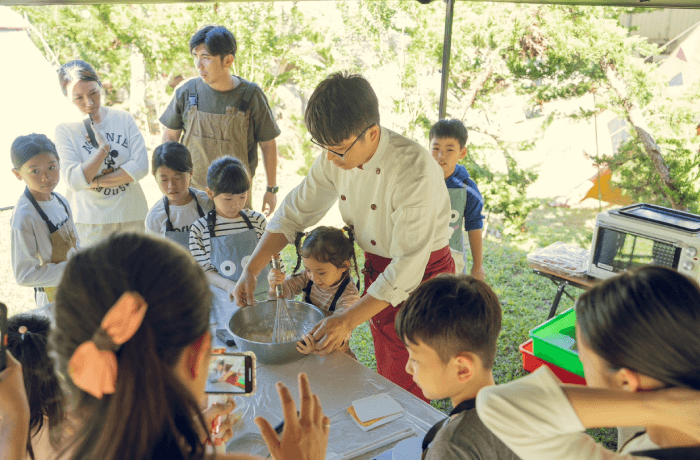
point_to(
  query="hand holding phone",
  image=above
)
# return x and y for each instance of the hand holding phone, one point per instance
(219, 421)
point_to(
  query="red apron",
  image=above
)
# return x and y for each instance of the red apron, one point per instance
(390, 351)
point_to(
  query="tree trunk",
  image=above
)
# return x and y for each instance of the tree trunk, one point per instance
(636, 119)
(137, 86)
(480, 80)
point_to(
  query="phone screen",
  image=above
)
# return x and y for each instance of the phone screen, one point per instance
(3, 336)
(231, 373)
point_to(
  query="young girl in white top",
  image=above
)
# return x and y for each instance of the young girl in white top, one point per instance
(326, 281)
(102, 175)
(43, 233)
(222, 241)
(638, 341)
(181, 205)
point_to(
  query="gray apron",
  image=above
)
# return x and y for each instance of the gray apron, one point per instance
(229, 255)
(181, 238)
(209, 136)
(458, 201)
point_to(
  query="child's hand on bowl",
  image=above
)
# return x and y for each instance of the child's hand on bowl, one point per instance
(307, 344)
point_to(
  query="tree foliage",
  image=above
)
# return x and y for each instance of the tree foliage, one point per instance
(542, 53)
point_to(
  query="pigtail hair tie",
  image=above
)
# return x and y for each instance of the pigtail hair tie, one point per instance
(22, 330)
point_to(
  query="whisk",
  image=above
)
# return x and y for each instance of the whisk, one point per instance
(285, 330)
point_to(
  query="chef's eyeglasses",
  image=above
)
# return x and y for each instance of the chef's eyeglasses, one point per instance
(341, 155)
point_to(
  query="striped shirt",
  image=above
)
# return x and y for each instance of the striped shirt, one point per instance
(322, 298)
(200, 242)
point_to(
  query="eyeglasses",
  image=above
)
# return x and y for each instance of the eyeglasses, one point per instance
(341, 155)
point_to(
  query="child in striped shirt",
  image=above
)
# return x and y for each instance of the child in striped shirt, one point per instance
(326, 281)
(222, 241)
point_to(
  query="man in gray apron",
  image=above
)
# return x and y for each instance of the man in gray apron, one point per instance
(218, 114)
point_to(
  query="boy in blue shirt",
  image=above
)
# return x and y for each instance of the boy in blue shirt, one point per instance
(448, 145)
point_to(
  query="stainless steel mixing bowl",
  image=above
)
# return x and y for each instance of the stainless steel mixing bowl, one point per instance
(259, 320)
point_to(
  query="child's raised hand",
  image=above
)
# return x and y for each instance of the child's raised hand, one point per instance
(307, 344)
(275, 277)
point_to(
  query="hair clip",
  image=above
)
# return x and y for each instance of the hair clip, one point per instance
(22, 330)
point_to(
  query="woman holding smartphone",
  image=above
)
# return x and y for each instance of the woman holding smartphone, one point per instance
(135, 349)
(102, 159)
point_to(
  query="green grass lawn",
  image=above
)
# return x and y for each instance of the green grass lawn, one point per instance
(525, 297)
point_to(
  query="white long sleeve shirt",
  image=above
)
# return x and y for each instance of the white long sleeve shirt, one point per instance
(535, 419)
(31, 242)
(397, 204)
(182, 217)
(124, 203)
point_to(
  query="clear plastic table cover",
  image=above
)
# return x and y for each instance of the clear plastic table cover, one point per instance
(337, 380)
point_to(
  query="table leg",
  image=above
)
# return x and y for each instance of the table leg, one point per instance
(557, 298)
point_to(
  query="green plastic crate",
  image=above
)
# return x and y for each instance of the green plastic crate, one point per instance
(555, 342)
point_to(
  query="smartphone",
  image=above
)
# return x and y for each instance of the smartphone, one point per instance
(231, 374)
(3, 336)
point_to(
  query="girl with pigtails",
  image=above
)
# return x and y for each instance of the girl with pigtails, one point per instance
(325, 281)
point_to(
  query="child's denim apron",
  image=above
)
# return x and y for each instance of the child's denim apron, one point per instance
(229, 254)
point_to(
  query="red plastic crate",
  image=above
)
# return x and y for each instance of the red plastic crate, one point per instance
(532, 362)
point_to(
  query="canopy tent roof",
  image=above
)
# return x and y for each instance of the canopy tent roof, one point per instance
(631, 3)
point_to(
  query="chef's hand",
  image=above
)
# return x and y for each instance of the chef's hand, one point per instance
(307, 344)
(275, 277)
(244, 293)
(269, 203)
(330, 333)
(305, 434)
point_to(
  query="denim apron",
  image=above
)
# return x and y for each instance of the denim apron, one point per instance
(229, 255)
(181, 238)
(458, 201)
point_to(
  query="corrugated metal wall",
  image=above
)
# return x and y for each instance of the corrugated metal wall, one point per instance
(662, 25)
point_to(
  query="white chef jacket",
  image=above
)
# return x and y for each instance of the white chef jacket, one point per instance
(535, 419)
(397, 204)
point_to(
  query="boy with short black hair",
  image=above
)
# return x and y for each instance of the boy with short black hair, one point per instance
(448, 145)
(450, 327)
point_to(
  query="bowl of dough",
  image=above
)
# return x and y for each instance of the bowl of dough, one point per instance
(252, 328)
